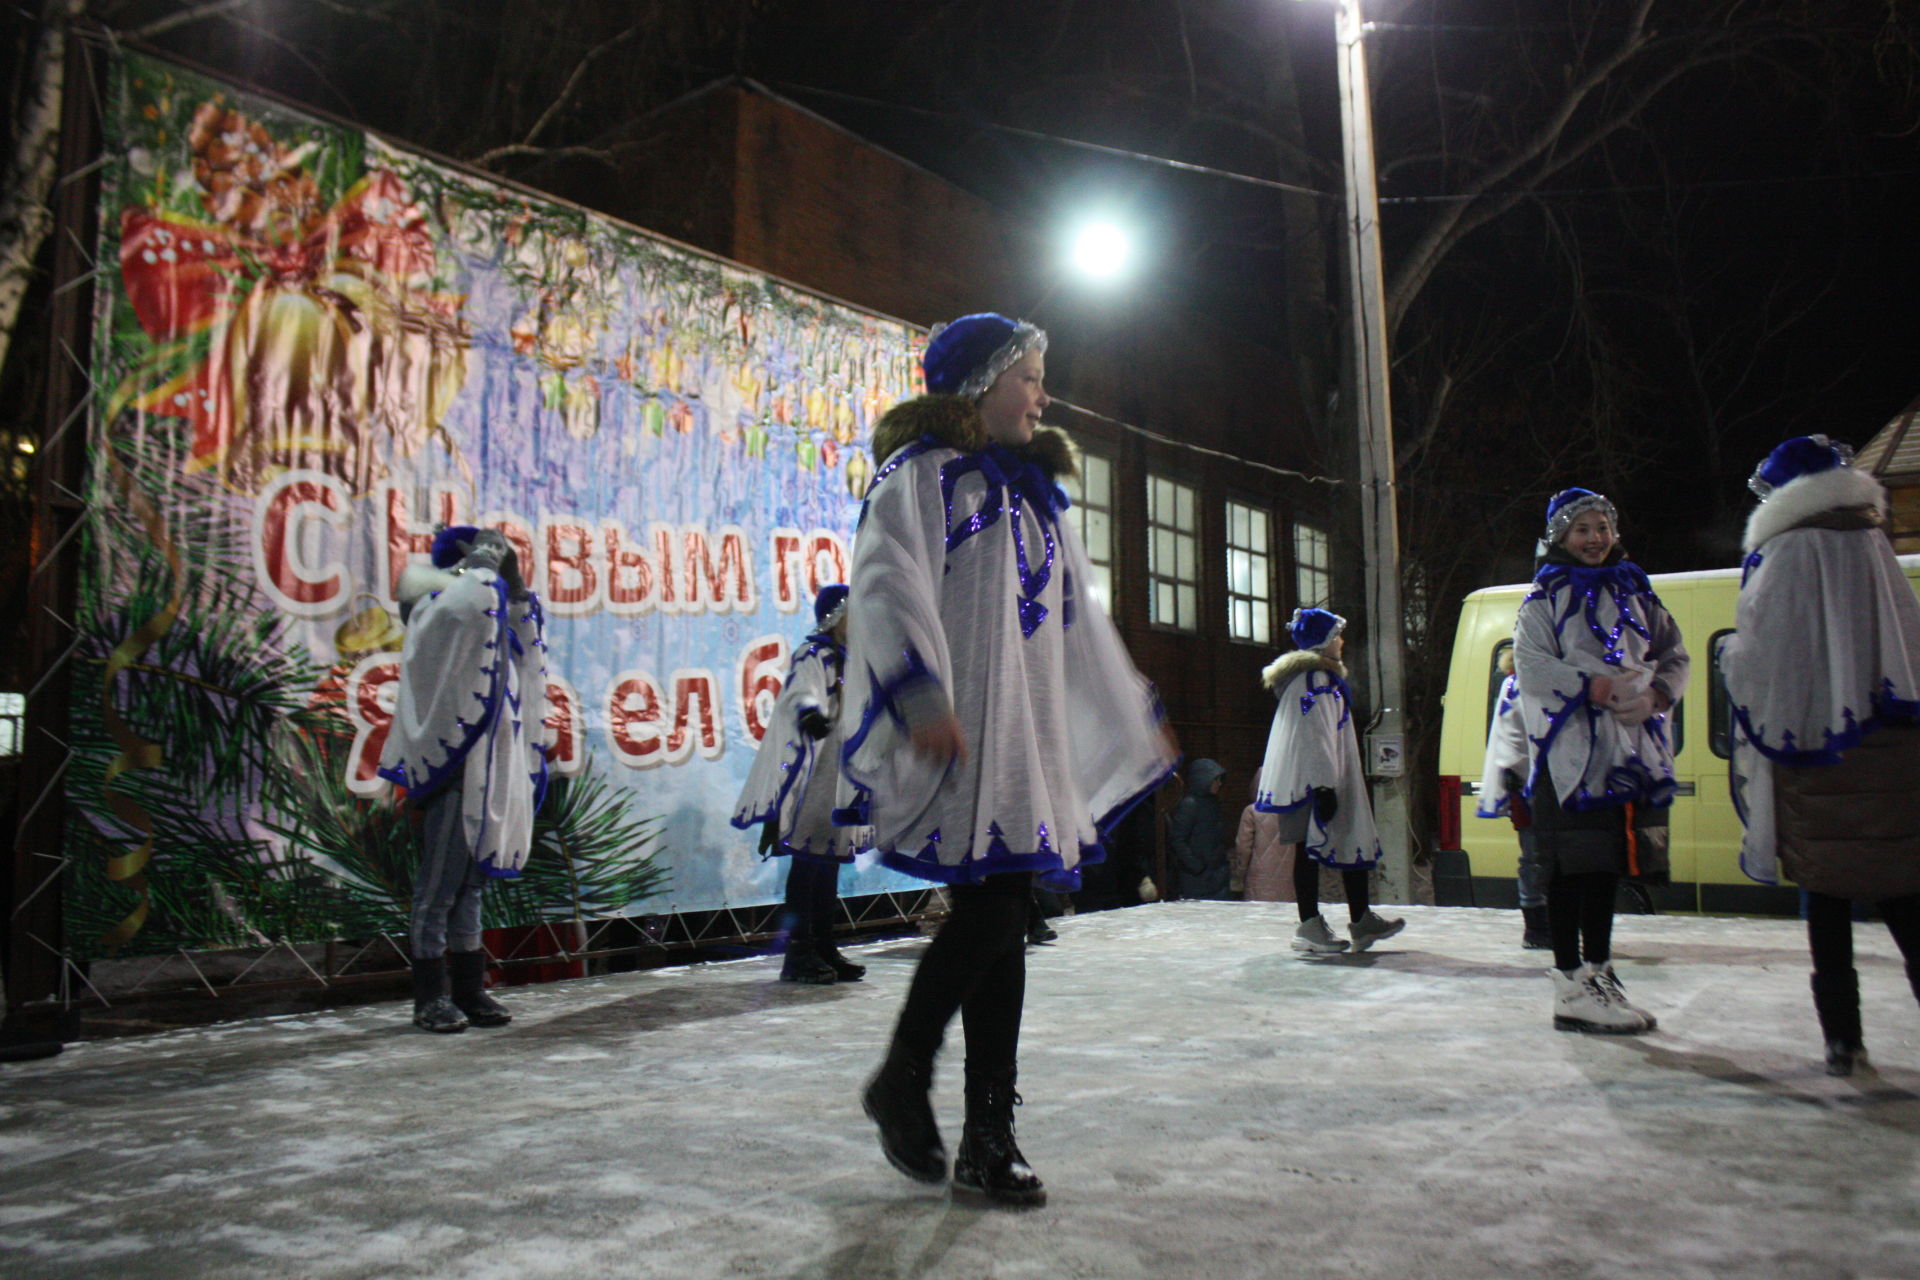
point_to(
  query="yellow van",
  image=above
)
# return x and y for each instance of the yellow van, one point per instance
(1705, 830)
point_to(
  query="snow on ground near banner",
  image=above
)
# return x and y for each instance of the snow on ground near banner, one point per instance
(1200, 1101)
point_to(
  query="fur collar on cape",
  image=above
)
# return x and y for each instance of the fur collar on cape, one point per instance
(1288, 665)
(954, 421)
(1798, 501)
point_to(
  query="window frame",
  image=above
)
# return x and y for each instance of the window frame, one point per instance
(1079, 512)
(1302, 567)
(1192, 536)
(1262, 578)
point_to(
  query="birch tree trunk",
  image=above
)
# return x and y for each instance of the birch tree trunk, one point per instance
(25, 218)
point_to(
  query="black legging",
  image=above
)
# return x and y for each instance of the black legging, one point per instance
(977, 964)
(1580, 916)
(1306, 886)
(1830, 932)
(813, 894)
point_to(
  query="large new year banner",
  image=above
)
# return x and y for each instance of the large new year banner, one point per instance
(312, 348)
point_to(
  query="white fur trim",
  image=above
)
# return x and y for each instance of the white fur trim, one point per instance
(1797, 501)
(1288, 665)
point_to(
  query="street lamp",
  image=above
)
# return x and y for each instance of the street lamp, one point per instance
(1101, 250)
(1373, 427)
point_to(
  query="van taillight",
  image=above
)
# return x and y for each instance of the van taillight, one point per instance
(1449, 825)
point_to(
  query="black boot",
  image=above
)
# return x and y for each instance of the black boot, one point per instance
(843, 969)
(1537, 935)
(896, 1100)
(468, 969)
(990, 1163)
(803, 964)
(1836, 998)
(432, 1011)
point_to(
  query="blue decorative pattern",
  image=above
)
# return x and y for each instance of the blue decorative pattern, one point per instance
(1889, 709)
(1624, 581)
(1013, 483)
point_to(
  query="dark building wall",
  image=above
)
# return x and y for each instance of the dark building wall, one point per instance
(816, 205)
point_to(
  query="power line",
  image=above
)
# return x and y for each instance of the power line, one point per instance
(1118, 152)
(1705, 184)
(1247, 179)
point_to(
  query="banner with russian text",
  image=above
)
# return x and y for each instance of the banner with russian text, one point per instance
(312, 348)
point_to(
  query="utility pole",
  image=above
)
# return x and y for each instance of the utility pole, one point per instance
(1385, 752)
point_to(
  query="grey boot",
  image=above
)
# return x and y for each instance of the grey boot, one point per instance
(468, 971)
(432, 1010)
(989, 1162)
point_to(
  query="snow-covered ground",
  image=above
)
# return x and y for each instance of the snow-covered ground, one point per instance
(1200, 1101)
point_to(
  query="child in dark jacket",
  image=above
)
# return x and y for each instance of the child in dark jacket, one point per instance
(1197, 835)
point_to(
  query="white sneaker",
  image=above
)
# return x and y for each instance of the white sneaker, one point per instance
(1371, 928)
(1314, 938)
(1603, 974)
(1581, 1003)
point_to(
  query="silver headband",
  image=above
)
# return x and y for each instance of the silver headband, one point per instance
(1027, 340)
(1563, 518)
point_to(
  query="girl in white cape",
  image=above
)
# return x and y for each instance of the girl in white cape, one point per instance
(1313, 779)
(1000, 723)
(1502, 778)
(469, 743)
(791, 791)
(1823, 673)
(1599, 663)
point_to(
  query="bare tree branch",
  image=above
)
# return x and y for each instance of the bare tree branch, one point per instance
(525, 145)
(197, 13)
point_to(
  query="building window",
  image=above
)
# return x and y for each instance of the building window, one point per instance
(1092, 517)
(1173, 554)
(1312, 567)
(1249, 574)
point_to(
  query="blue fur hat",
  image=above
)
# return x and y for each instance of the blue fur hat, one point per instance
(1568, 505)
(1314, 628)
(829, 605)
(446, 544)
(1800, 456)
(965, 357)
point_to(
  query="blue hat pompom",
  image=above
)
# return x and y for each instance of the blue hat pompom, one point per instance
(828, 605)
(1800, 456)
(1312, 628)
(446, 544)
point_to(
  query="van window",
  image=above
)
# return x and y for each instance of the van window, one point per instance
(1495, 678)
(1719, 705)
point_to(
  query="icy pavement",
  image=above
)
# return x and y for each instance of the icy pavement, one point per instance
(1200, 1101)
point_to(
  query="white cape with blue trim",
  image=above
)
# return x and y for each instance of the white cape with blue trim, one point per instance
(795, 779)
(1312, 745)
(1561, 641)
(471, 712)
(1507, 753)
(1061, 730)
(1827, 645)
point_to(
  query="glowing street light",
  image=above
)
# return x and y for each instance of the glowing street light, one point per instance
(1101, 251)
